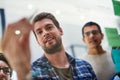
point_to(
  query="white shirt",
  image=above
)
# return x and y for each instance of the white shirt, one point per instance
(14, 75)
(102, 64)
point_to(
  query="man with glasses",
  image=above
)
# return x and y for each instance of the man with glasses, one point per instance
(5, 69)
(100, 60)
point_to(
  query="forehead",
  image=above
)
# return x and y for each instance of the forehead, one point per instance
(3, 64)
(90, 28)
(42, 23)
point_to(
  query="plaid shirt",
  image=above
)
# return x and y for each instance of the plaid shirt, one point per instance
(43, 70)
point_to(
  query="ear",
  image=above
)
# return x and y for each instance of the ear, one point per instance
(61, 31)
(83, 39)
(36, 37)
(102, 36)
(37, 41)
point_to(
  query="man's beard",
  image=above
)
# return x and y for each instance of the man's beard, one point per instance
(55, 48)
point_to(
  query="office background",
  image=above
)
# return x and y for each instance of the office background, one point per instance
(72, 15)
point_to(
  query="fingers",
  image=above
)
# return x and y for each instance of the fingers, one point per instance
(17, 45)
(19, 30)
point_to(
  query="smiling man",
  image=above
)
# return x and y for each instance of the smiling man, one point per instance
(56, 64)
(100, 60)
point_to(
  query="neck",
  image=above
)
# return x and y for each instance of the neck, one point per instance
(96, 50)
(58, 59)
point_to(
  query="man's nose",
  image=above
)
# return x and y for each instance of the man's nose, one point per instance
(45, 33)
(2, 73)
(91, 35)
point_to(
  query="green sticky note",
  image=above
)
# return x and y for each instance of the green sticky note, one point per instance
(113, 37)
(116, 7)
(117, 10)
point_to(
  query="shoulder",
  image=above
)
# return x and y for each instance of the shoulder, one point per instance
(81, 62)
(115, 76)
(41, 68)
(84, 56)
(107, 55)
(40, 63)
(37, 62)
(84, 68)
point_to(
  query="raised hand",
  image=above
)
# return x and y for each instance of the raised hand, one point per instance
(15, 45)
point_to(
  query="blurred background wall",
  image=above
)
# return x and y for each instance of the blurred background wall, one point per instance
(72, 15)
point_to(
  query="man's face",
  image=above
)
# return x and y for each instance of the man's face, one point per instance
(48, 35)
(92, 36)
(4, 71)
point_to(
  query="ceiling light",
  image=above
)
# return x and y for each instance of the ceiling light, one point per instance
(57, 12)
(30, 6)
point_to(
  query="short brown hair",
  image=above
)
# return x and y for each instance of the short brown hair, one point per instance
(44, 15)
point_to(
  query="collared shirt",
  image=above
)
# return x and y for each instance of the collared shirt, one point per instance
(43, 70)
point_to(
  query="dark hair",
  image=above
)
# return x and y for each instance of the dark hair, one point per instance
(2, 58)
(88, 24)
(44, 15)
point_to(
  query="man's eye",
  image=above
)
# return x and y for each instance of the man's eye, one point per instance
(39, 32)
(95, 32)
(87, 33)
(49, 28)
(6, 70)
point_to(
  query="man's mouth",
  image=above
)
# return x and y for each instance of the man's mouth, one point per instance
(48, 39)
(93, 41)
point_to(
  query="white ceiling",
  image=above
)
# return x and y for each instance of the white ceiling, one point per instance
(64, 9)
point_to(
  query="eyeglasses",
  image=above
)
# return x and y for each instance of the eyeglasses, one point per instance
(6, 70)
(94, 32)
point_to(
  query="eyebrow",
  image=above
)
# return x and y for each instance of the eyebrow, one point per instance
(37, 30)
(48, 24)
(45, 26)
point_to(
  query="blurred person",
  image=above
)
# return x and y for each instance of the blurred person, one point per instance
(115, 76)
(55, 64)
(115, 53)
(5, 69)
(100, 60)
